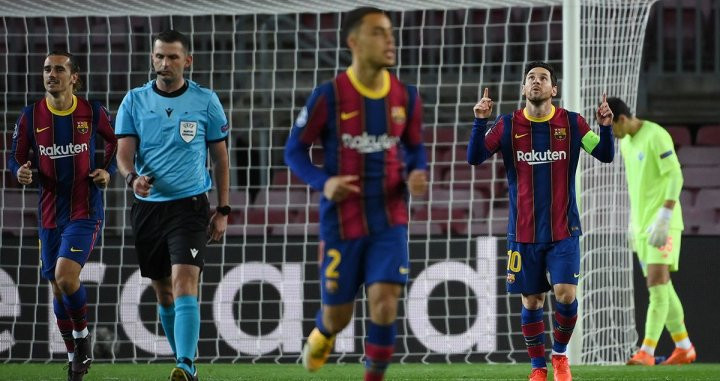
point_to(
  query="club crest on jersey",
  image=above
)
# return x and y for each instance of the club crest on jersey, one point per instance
(397, 113)
(560, 133)
(82, 126)
(188, 130)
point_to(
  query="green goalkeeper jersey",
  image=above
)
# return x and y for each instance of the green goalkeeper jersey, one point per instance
(649, 163)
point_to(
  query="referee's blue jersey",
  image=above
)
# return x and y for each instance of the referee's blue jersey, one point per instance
(173, 130)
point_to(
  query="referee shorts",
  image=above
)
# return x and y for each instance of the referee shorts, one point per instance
(169, 233)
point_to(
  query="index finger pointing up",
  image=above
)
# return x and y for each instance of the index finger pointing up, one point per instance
(486, 93)
(604, 98)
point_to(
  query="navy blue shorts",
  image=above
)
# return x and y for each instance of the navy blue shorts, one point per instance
(529, 265)
(74, 240)
(346, 264)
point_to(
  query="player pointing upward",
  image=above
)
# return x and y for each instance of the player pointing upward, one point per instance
(540, 145)
(362, 117)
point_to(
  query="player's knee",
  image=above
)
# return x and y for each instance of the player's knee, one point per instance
(66, 283)
(164, 297)
(565, 298)
(384, 310)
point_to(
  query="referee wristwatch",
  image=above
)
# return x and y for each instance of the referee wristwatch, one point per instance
(130, 178)
(224, 210)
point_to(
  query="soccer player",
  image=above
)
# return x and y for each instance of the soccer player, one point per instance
(61, 129)
(370, 127)
(165, 129)
(540, 145)
(654, 184)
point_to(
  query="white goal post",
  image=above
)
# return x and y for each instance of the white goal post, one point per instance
(260, 287)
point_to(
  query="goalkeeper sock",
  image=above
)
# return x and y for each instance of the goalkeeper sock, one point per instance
(675, 322)
(378, 350)
(187, 330)
(76, 306)
(533, 329)
(563, 324)
(657, 313)
(319, 324)
(66, 327)
(167, 319)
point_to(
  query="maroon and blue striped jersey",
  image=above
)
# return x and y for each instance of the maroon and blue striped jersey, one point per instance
(376, 135)
(63, 152)
(541, 158)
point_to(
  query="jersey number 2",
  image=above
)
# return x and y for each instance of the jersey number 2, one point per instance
(331, 270)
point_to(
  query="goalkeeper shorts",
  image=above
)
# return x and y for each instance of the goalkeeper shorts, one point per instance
(668, 254)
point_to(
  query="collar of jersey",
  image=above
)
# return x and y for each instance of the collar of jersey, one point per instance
(542, 118)
(367, 92)
(173, 94)
(62, 112)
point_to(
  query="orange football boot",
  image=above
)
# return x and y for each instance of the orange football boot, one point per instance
(538, 374)
(681, 356)
(641, 358)
(561, 368)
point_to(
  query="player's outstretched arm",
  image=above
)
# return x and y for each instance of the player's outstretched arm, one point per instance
(478, 151)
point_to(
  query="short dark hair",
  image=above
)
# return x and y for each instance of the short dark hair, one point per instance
(171, 35)
(74, 67)
(618, 107)
(353, 19)
(543, 65)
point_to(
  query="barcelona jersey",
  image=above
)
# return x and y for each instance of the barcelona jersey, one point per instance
(541, 157)
(64, 143)
(373, 134)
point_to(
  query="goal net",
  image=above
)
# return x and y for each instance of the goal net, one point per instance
(260, 290)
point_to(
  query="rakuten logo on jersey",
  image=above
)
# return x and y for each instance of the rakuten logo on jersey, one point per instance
(55, 151)
(533, 157)
(369, 143)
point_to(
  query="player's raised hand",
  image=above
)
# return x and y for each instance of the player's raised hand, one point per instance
(483, 109)
(604, 114)
(24, 174)
(337, 188)
(142, 186)
(100, 177)
(417, 182)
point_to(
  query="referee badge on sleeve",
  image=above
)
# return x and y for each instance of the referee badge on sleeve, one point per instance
(188, 130)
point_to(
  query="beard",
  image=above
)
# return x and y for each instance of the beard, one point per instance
(538, 98)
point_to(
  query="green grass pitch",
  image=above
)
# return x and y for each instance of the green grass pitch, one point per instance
(397, 372)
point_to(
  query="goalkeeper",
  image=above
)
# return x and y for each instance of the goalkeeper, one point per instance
(654, 183)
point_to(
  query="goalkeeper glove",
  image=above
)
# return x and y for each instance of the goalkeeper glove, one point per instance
(658, 231)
